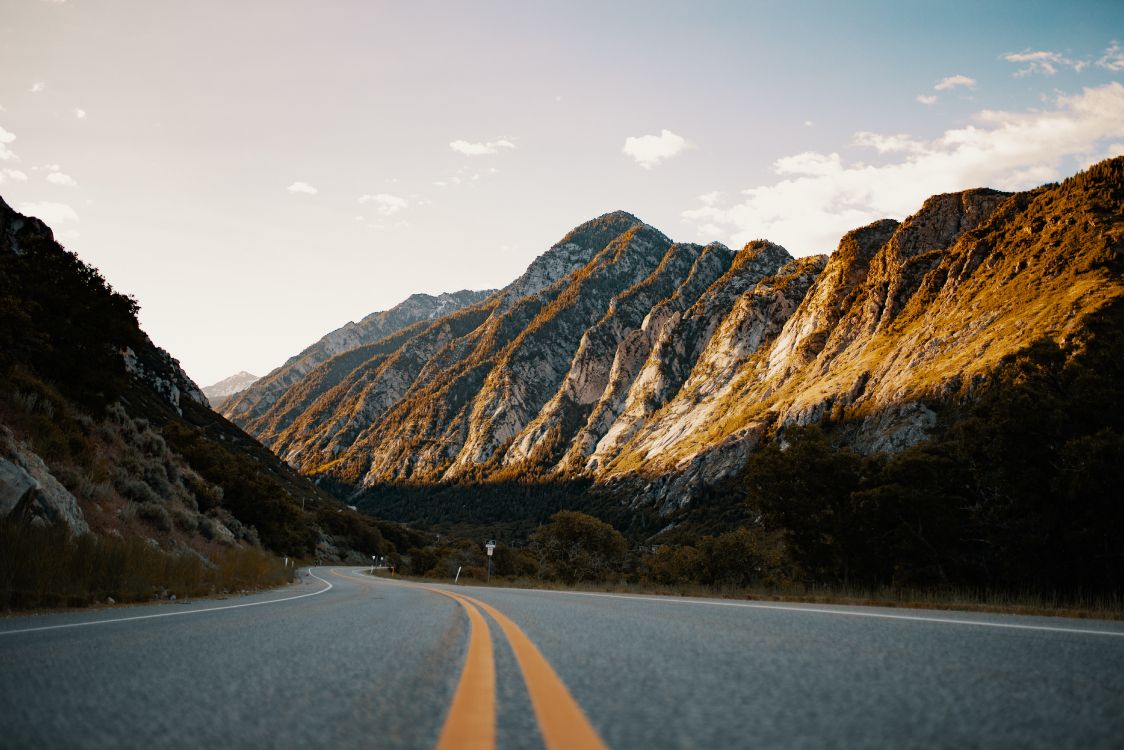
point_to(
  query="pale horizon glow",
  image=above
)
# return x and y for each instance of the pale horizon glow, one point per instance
(256, 191)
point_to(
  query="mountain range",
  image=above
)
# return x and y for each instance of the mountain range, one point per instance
(656, 368)
(937, 402)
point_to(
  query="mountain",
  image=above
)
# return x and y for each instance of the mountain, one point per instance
(101, 431)
(655, 368)
(256, 400)
(219, 392)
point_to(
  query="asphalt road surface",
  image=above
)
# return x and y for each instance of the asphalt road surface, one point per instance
(343, 660)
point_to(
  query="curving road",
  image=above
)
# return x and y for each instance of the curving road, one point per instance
(343, 660)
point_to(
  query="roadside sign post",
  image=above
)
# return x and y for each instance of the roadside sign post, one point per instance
(490, 545)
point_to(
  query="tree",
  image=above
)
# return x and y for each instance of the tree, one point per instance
(576, 546)
(803, 485)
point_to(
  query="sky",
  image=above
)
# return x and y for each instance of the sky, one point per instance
(259, 173)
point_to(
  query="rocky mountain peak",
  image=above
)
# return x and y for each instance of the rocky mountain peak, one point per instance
(761, 256)
(229, 386)
(573, 251)
(943, 218)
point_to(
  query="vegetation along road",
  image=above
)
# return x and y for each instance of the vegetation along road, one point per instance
(344, 660)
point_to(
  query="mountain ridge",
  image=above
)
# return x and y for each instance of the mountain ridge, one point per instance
(371, 328)
(621, 356)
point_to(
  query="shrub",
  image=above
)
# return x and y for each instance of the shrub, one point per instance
(135, 490)
(576, 546)
(155, 515)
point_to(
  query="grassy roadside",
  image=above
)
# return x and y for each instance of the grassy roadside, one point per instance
(45, 567)
(963, 600)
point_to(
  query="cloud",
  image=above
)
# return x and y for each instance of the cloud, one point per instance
(6, 154)
(818, 197)
(808, 123)
(1042, 61)
(889, 144)
(38, 87)
(952, 82)
(12, 174)
(58, 178)
(650, 150)
(52, 213)
(302, 187)
(926, 99)
(80, 113)
(1113, 57)
(1110, 152)
(385, 203)
(480, 149)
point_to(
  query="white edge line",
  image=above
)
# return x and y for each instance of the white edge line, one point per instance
(844, 613)
(171, 614)
(814, 610)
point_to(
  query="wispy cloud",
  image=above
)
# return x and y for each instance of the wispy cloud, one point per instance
(952, 82)
(12, 174)
(38, 87)
(1042, 62)
(481, 149)
(820, 196)
(302, 187)
(80, 113)
(465, 177)
(650, 150)
(385, 203)
(58, 178)
(1113, 58)
(48, 211)
(927, 99)
(6, 154)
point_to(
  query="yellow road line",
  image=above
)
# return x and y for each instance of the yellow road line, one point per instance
(563, 724)
(471, 722)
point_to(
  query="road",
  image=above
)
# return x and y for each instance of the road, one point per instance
(343, 660)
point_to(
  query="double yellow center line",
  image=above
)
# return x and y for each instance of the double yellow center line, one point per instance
(471, 723)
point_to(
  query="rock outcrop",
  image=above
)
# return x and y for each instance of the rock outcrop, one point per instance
(162, 373)
(29, 492)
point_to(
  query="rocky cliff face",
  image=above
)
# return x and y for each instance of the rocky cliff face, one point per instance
(624, 357)
(162, 373)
